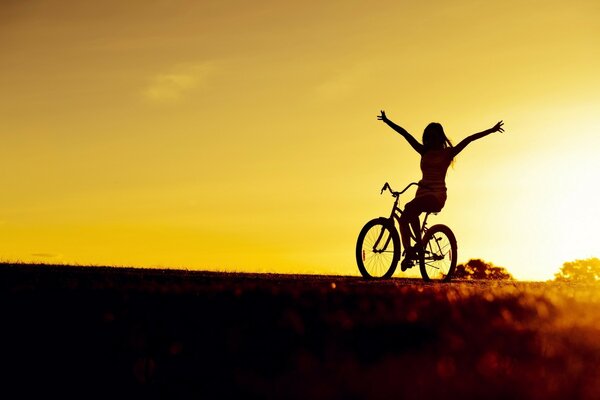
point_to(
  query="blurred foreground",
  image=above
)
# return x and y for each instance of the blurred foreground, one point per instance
(115, 332)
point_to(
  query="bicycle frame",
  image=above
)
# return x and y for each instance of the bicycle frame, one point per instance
(397, 213)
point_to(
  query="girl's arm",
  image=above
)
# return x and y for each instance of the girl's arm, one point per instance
(461, 146)
(409, 138)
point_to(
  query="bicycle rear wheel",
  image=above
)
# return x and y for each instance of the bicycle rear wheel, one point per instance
(378, 249)
(439, 254)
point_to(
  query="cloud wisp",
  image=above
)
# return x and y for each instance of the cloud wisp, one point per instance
(346, 82)
(174, 85)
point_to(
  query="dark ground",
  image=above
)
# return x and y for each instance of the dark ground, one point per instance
(110, 332)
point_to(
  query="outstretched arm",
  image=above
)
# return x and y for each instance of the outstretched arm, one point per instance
(409, 138)
(461, 146)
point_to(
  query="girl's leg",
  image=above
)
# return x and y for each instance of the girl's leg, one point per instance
(405, 230)
(415, 224)
(410, 219)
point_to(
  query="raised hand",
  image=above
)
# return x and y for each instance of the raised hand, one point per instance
(382, 117)
(498, 127)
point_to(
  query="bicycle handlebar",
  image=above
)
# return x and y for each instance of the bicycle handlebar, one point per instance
(396, 194)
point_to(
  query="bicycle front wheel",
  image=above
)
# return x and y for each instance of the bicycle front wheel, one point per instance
(439, 254)
(378, 249)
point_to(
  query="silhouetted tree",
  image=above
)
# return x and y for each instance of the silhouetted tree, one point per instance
(479, 269)
(587, 270)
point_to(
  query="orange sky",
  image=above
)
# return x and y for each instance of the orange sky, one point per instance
(240, 135)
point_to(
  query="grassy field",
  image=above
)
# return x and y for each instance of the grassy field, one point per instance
(105, 332)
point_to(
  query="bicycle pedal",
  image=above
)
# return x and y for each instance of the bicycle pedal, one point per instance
(406, 265)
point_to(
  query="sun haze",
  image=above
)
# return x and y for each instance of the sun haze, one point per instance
(242, 136)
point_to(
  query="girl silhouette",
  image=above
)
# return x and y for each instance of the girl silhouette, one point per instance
(437, 154)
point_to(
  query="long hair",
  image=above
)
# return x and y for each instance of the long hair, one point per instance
(435, 138)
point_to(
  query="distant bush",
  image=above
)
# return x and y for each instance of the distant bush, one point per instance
(587, 270)
(479, 269)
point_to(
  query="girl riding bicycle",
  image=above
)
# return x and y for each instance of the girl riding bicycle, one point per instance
(437, 154)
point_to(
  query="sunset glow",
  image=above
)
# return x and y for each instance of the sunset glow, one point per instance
(242, 136)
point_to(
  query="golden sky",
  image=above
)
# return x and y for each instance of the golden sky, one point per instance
(242, 136)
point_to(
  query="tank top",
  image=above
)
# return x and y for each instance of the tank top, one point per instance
(434, 165)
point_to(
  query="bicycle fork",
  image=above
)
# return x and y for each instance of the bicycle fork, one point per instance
(376, 244)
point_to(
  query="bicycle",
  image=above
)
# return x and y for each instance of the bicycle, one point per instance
(378, 246)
